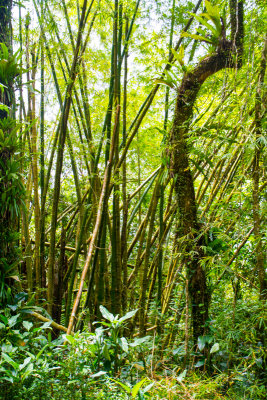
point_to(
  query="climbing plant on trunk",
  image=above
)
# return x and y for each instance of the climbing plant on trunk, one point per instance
(227, 54)
(11, 187)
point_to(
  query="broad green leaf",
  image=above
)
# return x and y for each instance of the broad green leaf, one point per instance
(106, 352)
(69, 338)
(215, 348)
(124, 344)
(212, 10)
(4, 319)
(100, 373)
(10, 361)
(138, 386)
(206, 24)
(46, 325)
(27, 325)
(41, 351)
(181, 377)
(214, 14)
(129, 315)
(148, 387)
(106, 314)
(179, 56)
(25, 363)
(200, 364)
(196, 37)
(201, 342)
(28, 370)
(125, 387)
(13, 320)
(165, 82)
(139, 341)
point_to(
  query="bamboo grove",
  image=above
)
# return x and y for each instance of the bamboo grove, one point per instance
(138, 159)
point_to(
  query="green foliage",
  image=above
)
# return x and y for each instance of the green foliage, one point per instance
(212, 15)
(11, 186)
(11, 199)
(108, 347)
(134, 391)
(9, 66)
(21, 345)
(30, 361)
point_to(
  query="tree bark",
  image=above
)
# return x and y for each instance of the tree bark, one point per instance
(227, 55)
(5, 22)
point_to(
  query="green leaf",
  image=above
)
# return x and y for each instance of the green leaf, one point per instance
(10, 361)
(27, 325)
(25, 363)
(196, 37)
(165, 82)
(125, 387)
(100, 373)
(202, 21)
(106, 352)
(46, 325)
(138, 386)
(139, 341)
(200, 364)
(214, 14)
(215, 348)
(41, 351)
(148, 387)
(201, 342)
(69, 338)
(129, 315)
(28, 370)
(13, 320)
(181, 377)
(106, 314)
(124, 344)
(212, 10)
(179, 56)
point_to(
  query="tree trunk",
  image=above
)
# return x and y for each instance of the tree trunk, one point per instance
(189, 228)
(5, 22)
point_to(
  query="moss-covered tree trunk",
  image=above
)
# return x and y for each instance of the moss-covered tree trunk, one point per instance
(11, 188)
(5, 22)
(227, 55)
(5, 38)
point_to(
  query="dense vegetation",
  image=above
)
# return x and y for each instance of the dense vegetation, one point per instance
(132, 214)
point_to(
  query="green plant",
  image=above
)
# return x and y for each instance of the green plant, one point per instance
(115, 344)
(106, 348)
(215, 29)
(22, 345)
(135, 390)
(9, 65)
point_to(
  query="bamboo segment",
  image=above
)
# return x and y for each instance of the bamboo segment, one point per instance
(101, 210)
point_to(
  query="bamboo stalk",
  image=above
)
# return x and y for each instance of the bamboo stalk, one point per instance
(53, 323)
(101, 209)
